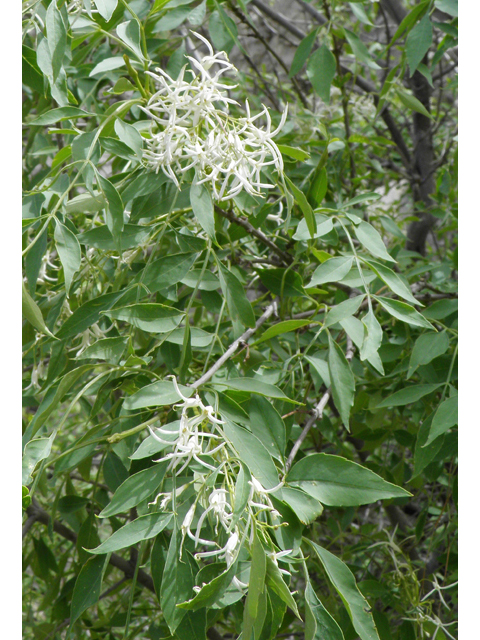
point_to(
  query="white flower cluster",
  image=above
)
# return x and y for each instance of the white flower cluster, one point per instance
(191, 128)
(200, 435)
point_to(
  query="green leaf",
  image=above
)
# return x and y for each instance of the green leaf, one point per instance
(114, 473)
(85, 202)
(115, 207)
(427, 347)
(324, 226)
(26, 498)
(404, 312)
(88, 314)
(117, 148)
(360, 13)
(87, 587)
(135, 489)
(360, 51)
(281, 328)
(268, 426)
(408, 395)
(177, 582)
(410, 19)
(282, 282)
(58, 115)
(56, 37)
(256, 585)
(193, 625)
(167, 271)
(321, 368)
(393, 280)
(338, 482)
(448, 6)
(237, 301)
(108, 64)
(363, 197)
(211, 592)
(343, 382)
(411, 102)
(129, 136)
(198, 337)
(318, 189)
(143, 185)
(149, 316)
(202, 205)
(158, 394)
(71, 504)
(446, 417)
(331, 270)
(32, 313)
(31, 75)
(242, 492)
(424, 455)
(143, 528)
(224, 30)
(304, 205)
(306, 508)
(173, 19)
(129, 32)
(276, 582)
(344, 582)
(35, 451)
(55, 395)
(441, 309)
(106, 8)
(319, 624)
(321, 69)
(293, 152)
(253, 385)
(100, 237)
(372, 341)
(418, 42)
(197, 15)
(355, 329)
(251, 451)
(372, 241)
(69, 251)
(302, 52)
(343, 310)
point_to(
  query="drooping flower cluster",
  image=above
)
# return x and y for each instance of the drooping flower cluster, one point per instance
(199, 436)
(192, 128)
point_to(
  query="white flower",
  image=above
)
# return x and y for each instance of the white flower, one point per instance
(196, 131)
(191, 441)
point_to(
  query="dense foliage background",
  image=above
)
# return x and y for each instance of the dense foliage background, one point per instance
(318, 320)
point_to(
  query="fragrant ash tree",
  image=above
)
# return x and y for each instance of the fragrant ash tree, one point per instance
(240, 372)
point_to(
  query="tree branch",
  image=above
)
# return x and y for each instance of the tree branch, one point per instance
(278, 17)
(241, 222)
(36, 511)
(234, 346)
(362, 83)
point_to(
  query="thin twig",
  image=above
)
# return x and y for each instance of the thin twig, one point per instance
(317, 414)
(234, 346)
(254, 232)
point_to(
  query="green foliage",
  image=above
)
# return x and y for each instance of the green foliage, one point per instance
(240, 385)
